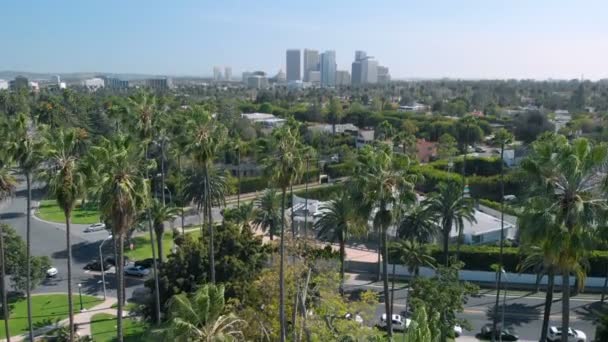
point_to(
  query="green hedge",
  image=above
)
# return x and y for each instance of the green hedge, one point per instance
(321, 194)
(489, 187)
(481, 258)
(430, 177)
(496, 206)
(253, 184)
(338, 170)
(480, 166)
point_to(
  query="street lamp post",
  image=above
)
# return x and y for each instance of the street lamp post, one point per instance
(80, 295)
(103, 270)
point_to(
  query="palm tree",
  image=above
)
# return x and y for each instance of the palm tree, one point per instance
(199, 318)
(569, 197)
(414, 255)
(66, 183)
(25, 147)
(7, 188)
(452, 209)
(284, 166)
(418, 224)
(501, 137)
(268, 215)
(337, 218)
(206, 137)
(243, 216)
(160, 214)
(206, 187)
(385, 183)
(122, 193)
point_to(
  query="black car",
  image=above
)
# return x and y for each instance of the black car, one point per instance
(507, 334)
(111, 261)
(146, 263)
(96, 266)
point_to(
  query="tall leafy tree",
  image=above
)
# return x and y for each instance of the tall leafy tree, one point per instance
(384, 181)
(334, 113)
(569, 198)
(206, 137)
(200, 317)
(452, 210)
(502, 137)
(7, 188)
(25, 145)
(122, 192)
(66, 183)
(283, 164)
(337, 220)
(268, 213)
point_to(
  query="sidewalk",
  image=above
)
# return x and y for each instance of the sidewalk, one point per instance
(82, 321)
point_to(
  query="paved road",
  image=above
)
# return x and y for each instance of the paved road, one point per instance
(523, 311)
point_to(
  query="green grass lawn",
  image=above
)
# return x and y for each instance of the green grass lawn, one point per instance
(50, 211)
(46, 310)
(103, 329)
(143, 250)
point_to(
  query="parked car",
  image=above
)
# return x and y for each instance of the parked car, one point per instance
(356, 317)
(111, 261)
(507, 334)
(95, 227)
(95, 265)
(146, 263)
(51, 272)
(555, 334)
(137, 271)
(399, 322)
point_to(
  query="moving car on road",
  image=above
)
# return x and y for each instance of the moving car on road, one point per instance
(51, 272)
(95, 227)
(504, 334)
(399, 323)
(555, 334)
(137, 271)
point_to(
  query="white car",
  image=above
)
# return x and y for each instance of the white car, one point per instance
(95, 227)
(51, 272)
(555, 334)
(399, 323)
(457, 328)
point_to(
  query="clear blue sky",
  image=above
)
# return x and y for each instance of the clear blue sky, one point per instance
(432, 38)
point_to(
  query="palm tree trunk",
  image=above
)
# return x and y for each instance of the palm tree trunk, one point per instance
(342, 257)
(207, 208)
(28, 242)
(446, 238)
(387, 294)
(306, 201)
(159, 244)
(565, 303)
(154, 262)
(69, 249)
(502, 238)
(238, 177)
(393, 289)
(282, 269)
(293, 228)
(5, 312)
(548, 302)
(605, 286)
(120, 264)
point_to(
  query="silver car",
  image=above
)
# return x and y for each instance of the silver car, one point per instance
(137, 271)
(95, 227)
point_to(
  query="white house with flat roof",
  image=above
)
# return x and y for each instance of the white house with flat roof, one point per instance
(485, 230)
(264, 119)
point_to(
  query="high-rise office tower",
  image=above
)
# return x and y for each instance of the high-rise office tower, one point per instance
(227, 73)
(217, 73)
(311, 63)
(328, 68)
(293, 65)
(383, 75)
(356, 73)
(342, 78)
(359, 55)
(369, 70)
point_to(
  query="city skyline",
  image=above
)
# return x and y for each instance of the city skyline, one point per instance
(472, 39)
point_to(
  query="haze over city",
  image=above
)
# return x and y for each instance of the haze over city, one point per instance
(464, 39)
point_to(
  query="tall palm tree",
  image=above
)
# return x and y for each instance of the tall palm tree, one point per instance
(25, 147)
(386, 184)
(418, 224)
(337, 218)
(66, 183)
(243, 216)
(569, 191)
(122, 193)
(206, 137)
(452, 209)
(502, 137)
(160, 214)
(199, 318)
(414, 255)
(7, 188)
(268, 215)
(284, 166)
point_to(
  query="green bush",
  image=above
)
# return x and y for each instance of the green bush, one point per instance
(480, 166)
(252, 184)
(338, 170)
(496, 206)
(430, 177)
(481, 258)
(321, 194)
(489, 187)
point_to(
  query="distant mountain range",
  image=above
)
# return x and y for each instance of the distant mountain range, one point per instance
(9, 75)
